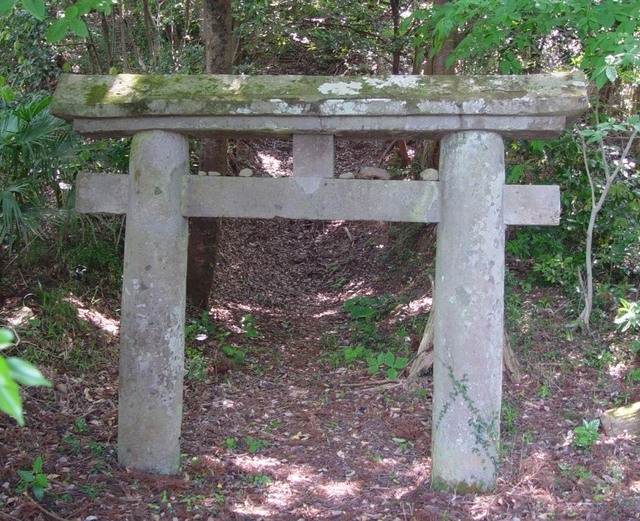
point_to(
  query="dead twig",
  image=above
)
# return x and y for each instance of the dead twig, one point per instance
(44, 510)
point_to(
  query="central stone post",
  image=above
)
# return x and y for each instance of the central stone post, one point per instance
(469, 309)
(153, 305)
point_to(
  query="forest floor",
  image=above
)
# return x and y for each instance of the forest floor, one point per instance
(282, 426)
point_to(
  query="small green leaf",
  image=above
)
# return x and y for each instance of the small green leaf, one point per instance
(6, 6)
(35, 7)
(6, 337)
(612, 73)
(26, 373)
(392, 374)
(71, 12)
(10, 402)
(389, 359)
(38, 492)
(26, 476)
(57, 30)
(84, 6)
(401, 362)
(37, 465)
(79, 27)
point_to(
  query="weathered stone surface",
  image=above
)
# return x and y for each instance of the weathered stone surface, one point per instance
(102, 193)
(347, 175)
(429, 174)
(371, 172)
(517, 106)
(245, 172)
(537, 205)
(311, 198)
(313, 155)
(622, 420)
(263, 198)
(153, 305)
(469, 309)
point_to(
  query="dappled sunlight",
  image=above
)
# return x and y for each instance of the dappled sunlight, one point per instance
(419, 305)
(327, 313)
(338, 489)
(248, 508)
(249, 463)
(95, 318)
(618, 370)
(271, 164)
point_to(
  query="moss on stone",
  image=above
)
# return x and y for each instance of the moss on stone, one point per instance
(96, 93)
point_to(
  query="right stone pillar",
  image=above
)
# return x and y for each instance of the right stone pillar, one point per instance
(469, 313)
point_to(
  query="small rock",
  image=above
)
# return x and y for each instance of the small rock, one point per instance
(213, 174)
(347, 175)
(429, 174)
(245, 172)
(371, 172)
(202, 173)
(622, 419)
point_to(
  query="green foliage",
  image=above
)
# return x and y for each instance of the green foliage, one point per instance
(558, 253)
(255, 444)
(586, 434)
(28, 65)
(380, 353)
(34, 479)
(332, 34)
(628, 316)
(512, 37)
(34, 147)
(249, 326)
(509, 415)
(14, 371)
(71, 19)
(99, 262)
(197, 359)
(391, 364)
(633, 376)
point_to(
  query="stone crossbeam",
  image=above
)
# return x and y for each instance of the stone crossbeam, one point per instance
(316, 199)
(534, 106)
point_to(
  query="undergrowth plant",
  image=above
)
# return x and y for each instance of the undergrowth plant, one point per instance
(380, 352)
(33, 480)
(201, 336)
(586, 434)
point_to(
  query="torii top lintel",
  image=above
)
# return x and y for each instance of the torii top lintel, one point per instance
(528, 107)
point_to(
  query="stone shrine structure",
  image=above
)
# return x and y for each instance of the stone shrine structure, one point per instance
(470, 201)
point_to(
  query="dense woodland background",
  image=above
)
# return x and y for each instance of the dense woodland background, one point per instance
(573, 317)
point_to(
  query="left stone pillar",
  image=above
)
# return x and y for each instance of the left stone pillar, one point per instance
(153, 305)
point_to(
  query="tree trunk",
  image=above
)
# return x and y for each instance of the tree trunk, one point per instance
(104, 24)
(396, 46)
(204, 233)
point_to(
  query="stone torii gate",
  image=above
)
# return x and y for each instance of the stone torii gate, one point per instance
(470, 201)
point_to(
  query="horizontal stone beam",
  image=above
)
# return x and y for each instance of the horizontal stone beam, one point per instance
(529, 106)
(316, 199)
(369, 127)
